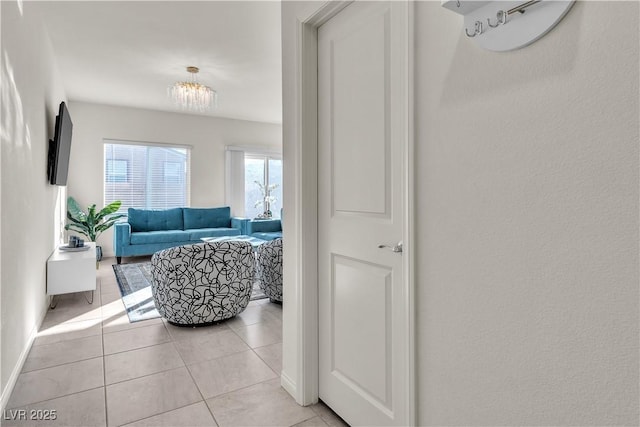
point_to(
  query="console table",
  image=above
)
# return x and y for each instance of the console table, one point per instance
(71, 271)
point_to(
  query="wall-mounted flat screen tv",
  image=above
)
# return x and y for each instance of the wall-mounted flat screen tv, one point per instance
(60, 148)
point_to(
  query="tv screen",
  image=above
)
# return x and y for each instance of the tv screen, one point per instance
(60, 148)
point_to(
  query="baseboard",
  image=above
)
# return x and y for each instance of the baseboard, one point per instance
(13, 378)
(288, 384)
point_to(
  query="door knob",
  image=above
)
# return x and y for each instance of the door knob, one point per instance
(397, 248)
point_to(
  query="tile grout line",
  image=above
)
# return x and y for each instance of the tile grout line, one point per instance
(72, 320)
(166, 412)
(265, 362)
(127, 328)
(321, 403)
(231, 391)
(267, 316)
(239, 389)
(254, 351)
(145, 375)
(65, 342)
(310, 418)
(315, 414)
(191, 376)
(215, 358)
(137, 348)
(53, 398)
(131, 329)
(104, 366)
(61, 364)
(249, 345)
(273, 317)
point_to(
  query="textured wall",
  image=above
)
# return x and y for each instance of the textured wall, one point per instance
(527, 213)
(208, 137)
(31, 93)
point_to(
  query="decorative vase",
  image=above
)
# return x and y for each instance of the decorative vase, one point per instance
(98, 256)
(267, 208)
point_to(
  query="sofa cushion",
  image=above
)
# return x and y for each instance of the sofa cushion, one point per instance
(168, 236)
(155, 220)
(206, 217)
(198, 233)
(264, 226)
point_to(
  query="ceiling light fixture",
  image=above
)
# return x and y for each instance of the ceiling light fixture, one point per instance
(191, 95)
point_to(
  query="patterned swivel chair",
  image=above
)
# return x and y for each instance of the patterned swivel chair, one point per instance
(269, 269)
(202, 283)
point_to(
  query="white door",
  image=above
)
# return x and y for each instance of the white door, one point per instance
(362, 134)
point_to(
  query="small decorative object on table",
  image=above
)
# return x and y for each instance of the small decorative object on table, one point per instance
(264, 215)
(75, 244)
(69, 248)
(266, 201)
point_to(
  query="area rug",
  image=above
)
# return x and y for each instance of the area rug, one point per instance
(134, 281)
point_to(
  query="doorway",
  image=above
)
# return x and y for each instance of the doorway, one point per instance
(301, 359)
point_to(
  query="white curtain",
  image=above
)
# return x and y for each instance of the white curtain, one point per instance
(234, 180)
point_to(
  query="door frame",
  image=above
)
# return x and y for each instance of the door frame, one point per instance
(305, 204)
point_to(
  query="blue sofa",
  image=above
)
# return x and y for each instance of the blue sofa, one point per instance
(148, 231)
(265, 229)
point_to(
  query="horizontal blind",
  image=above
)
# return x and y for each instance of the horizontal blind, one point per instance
(146, 176)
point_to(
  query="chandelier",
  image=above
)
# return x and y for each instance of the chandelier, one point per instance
(191, 95)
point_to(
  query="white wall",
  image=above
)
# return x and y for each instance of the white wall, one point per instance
(526, 198)
(31, 93)
(527, 222)
(208, 137)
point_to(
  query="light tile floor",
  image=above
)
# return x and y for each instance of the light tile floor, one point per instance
(94, 368)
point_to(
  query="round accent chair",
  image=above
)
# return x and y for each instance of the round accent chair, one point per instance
(202, 283)
(269, 269)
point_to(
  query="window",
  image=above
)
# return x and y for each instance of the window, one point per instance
(249, 171)
(146, 176)
(173, 172)
(116, 170)
(262, 185)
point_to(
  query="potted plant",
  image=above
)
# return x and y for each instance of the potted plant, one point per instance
(267, 199)
(92, 223)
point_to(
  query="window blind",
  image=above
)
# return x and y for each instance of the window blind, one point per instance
(146, 176)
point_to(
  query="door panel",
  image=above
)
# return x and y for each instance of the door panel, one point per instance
(360, 350)
(359, 121)
(362, 131)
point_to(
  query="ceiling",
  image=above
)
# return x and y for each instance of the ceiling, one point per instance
(128, 53)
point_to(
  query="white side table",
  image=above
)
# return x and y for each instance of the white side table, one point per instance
(71, 272)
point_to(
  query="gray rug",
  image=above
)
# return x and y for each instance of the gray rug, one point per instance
(134, 281)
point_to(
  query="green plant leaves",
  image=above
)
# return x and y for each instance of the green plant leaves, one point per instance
(74, 211)
(91, 223)
(110, 209)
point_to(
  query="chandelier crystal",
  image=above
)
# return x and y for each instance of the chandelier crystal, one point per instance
(191, 95)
